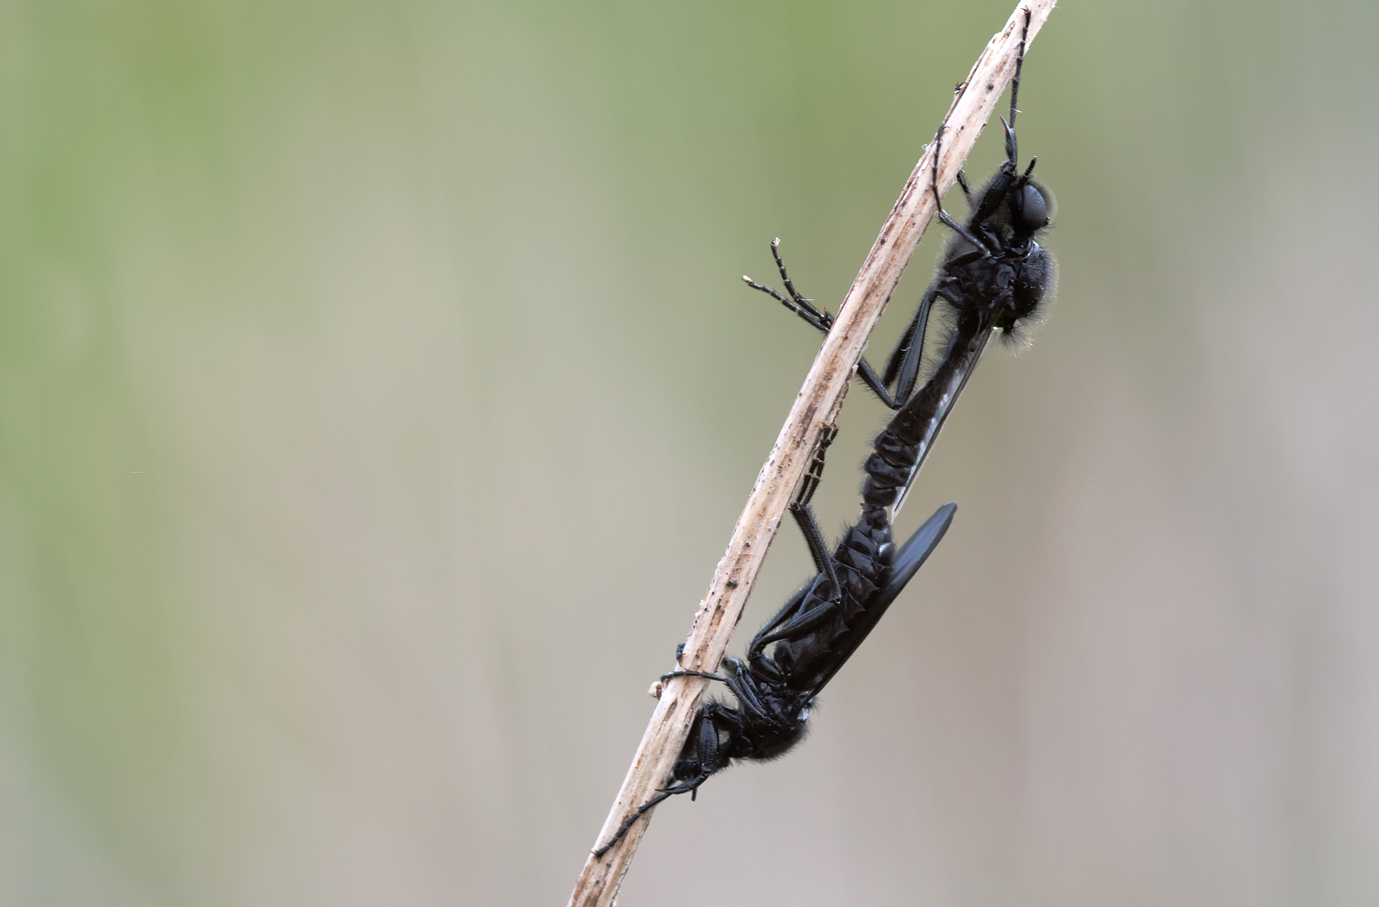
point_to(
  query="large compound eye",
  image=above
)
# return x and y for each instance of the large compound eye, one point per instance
(1034, 209)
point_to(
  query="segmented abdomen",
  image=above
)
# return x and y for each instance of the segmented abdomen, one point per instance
(863, 562)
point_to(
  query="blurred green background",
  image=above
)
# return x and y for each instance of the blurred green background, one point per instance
(378, 392)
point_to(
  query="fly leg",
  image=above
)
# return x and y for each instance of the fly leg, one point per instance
(1011, 156)
(956, 227)
(706, 754)
(786, 619)
(683, 672)
(817, 316)
(821, 320)
(818, 601)
(804, 516)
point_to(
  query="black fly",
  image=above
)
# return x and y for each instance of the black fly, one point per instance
(811, 636)
(994, 273)
(993, 276)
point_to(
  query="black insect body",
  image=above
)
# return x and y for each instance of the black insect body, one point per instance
(993, 275)
(799, 649)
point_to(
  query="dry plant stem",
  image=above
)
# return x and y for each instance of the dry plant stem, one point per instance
(816, 406)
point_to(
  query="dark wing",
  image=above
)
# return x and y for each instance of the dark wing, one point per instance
(904, 365)
(897, 360)
(908, 560)
(934, 401)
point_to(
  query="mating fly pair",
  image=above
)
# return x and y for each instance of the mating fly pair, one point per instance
(992, 277)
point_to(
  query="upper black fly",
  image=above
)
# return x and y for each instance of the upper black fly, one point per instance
(994, 273)
(993, 276)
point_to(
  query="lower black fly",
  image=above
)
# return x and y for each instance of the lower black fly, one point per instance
(814, 634)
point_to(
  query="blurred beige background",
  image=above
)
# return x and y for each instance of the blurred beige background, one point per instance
(377, 393)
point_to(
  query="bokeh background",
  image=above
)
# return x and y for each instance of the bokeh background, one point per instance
(378, 392)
